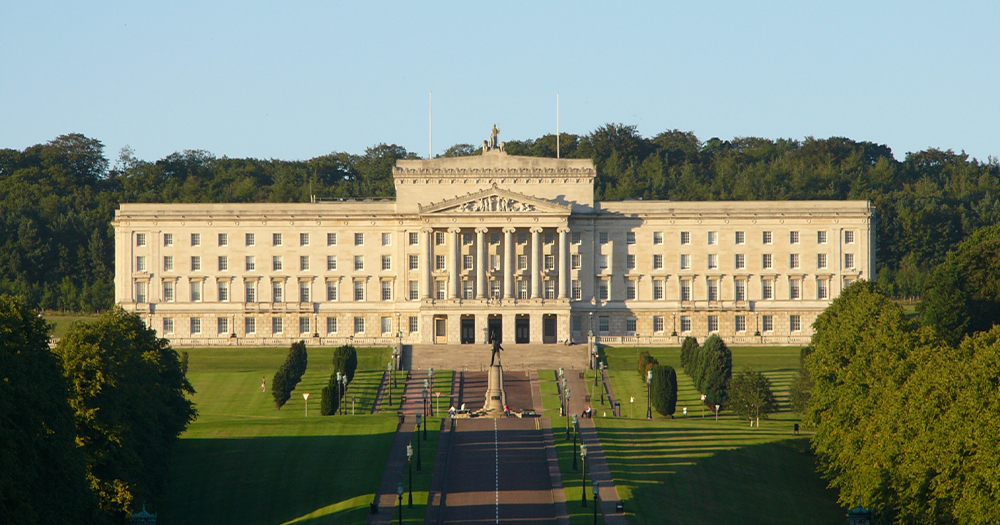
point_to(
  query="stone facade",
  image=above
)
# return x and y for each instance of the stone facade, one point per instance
(491, 244)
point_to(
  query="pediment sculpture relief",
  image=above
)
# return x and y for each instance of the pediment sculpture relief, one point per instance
(495, 203)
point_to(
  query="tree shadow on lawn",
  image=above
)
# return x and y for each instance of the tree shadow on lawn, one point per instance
(271, 480)
(667, 476)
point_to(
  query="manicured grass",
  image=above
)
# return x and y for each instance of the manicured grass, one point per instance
(63, 322)
(243, 461)
(698, 470)
(572, 480)
(421, 478)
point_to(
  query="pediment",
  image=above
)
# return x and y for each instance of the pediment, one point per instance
(495, 200)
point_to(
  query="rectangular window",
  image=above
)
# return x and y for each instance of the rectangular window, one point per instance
(575, 324)
(713, 290)
(658, 289)
(657, 237)
(466, 262)
(276, 262)
(494, 262)
(359, 263)
(685, 323)
(741, 290)
(575, 237)
(331, 290)
(767, 323)
(303, 239)
(658, 262)
(793, 260)
(223, 291)
(495, 288)
(303, 325)
(630, 261)
(820, 260)
(304, 289)
(414, 324)
(766, 237)
(195, 325)
(439, 238)
(195, 291)
(250, 291)
(140, 239)
(276, 239)
(467, 238)
(140, 263)
(331, 325)
(685, 289)
(168, 291)
(359, 290)
(439, 262)
(741, 261)
(386, 290)
(386, 262)
(413, 238)
(713, 323)
(602, 237)
(713, 237)
(196, 263)
(629, 237)
(577, 290)
(414, 262)
(249, 239)
(195, 239)
(766, 261)
(386, 325)
(550, 262)
(249, 263)
(685, 237)
(250, 325)
(604, 324)
(793, 237)
(168, 263)
(414, 290)
(794, 323)
(822, 289)
(820, 237)
(741, 237)
(168, 239)
(331, 239)
(223, 239)
(140, 292)
(576, 261)
(741, 323)
(439, 289)
(685, 261)
(630, 289)
(359, 239)
(602, 288)
(630, 326)
(277, 325)
(849, 260)
(602, 262)
(794, 288)
(222, 325)
(386, 239)
(549, 288)
(767, 289)
(168, 325)
(522, 262)
(713, 261)
(657, 324)
(522, 289)
(331, 263)
(277, 292)
(848, 237)
(223, 263)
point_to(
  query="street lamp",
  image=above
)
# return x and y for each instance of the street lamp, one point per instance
(391, 372)
(596, 493)
(340, 405)
(399, 492)
(716, 412)
(343, 394)
(601, 371)
(425, 413)
(590, 339)
(649, 400)
(567, 414)
(583, 485)
(576, 426)
(417, 431)
(305, 395)
(409, 462)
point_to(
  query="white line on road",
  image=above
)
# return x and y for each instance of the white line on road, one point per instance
(496, 448)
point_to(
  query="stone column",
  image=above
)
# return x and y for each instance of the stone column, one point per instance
(508, 265)
(534, 267)
(454, 280)
(563, 263)
(428, 288)
(481, 262)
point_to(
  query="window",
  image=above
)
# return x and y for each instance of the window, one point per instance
(195, 263)
(467, 238)
(602, 288)
(767, 323)
(304, 289)
(794, 288)
(794, 323)
(494, 237)
(250, 325)
(766, 237)
(386, 325)
(359, 290)
(630, 289)
(303, 239)
(577, 290)
(222, 325)
(494, 288)
(439, 262)
(685, 323)
(414, 290)
(303, 262)
(249, 239)
(386, 239)
(359, 263)
(140, 239)
(685, 237)
(658, 289)
(386, 262)
(249, 264)
(494, 262)
(359, 239)
(277, 326)
(741, 290)
(713, 290)
(741, 261)
(195, 291)
(168, 325)
(820, 237)
(522, 289)
(223, 239)
(223, 291)
(140, 263)
(575, 237)
(822, 289)
(276, 262)
(331, 239)
(276, 239)
(250, 291)
(685, 289)
(439, 238)
(657, 261)
(439, 289)
(630, 261)
(467, 262)
(550, 262)
(713, 261)
(741, 323)
(793, 260)
(767, 289)
(386, 290)
(549, 288)
(195, 325)
(576, 261)
(168, 291)
(629, 237)
(766, 261)
(630, 325)
(277, 292)
(168, 239)
(140, 292)
(793, 237)
(713, 323)
(303, 325)
(414, 324)
(331, 325)
(848, 260)
(413, 238)
(713, 237)
(195, 239)
(331, 290)
(657, 237)
(414, 262)
(604, 324)
(685, 261)
(575, 324)
(657, 323)
(602, 262)
(168, 263)
(522, 262)
(331, 263)
(848, 237)
(223, 263)
(820, 260)
(602, 237)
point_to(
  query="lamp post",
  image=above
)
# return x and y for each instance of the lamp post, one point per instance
(305, 395)
(391, 372)
(567, 414)
(596, 493)
(399, 492)
(340, 404)
(425, 414)
(409, 463)
(417, 431)
(649, 400)
(343, 392)
(716, 412)
(601, 371)
(590, 339)
(576, 426)
(583, 485)
(427, 387)
(563, 405)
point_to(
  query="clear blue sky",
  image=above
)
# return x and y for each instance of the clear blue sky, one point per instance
(294, 80)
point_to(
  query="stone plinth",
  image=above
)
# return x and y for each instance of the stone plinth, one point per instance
(495, 397)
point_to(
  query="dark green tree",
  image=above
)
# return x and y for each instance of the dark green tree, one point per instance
(751, 396)
(689, 348)
(715, 371)
(330, 401)
(663, 390)
(279, 386)
(345, 361)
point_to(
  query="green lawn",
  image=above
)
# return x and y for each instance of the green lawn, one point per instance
(243, 461)
(62, 322)
(697, 470)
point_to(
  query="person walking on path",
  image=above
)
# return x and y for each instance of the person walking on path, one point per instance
(263, 384)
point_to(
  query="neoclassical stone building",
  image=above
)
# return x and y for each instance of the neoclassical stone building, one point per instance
(487, 245)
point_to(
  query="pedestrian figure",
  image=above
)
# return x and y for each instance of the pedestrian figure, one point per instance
(451, 411)
(685, 411)
(506, 411)
(263, 384)
(463, 407)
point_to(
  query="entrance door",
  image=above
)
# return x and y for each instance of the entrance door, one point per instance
(441, 330)
(522, 330)
(495, 324)
(468, 330)
(549, 329)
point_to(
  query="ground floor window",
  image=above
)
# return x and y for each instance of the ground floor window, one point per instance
(741, 323)
(767, 323)
(604, 324)
(575, 324)
(387, 325)
(168, 325)
(794, 323)
(331, 325)
(630, 326)
(303, 325)
(414, 324)
(359, 325)
(223, 325)
(713, 323)
(195, 325)
(657, 323)
(277, 325)
(249, 325)
(685, 323)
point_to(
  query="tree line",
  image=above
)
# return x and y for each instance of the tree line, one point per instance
(57, 199)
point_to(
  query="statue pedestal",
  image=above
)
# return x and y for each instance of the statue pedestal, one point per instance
(495, 397)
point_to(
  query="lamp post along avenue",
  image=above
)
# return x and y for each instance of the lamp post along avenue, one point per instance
(567, 414)
(649, 400)
(409, 463)
(417, 432)
(576, 427)
(399, 492)
(583, 485)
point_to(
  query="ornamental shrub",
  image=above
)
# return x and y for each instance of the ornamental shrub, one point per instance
(330, 401)
(645, 362)
(345, 361)
(663, 390)
(688, 350)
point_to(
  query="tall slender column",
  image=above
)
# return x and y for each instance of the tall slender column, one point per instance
(508, 263)
(563, 263)
(428, 291)
(454, 280)
(534, 267)
(481, 262)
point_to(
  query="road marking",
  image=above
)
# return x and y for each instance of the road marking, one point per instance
(496, 448)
